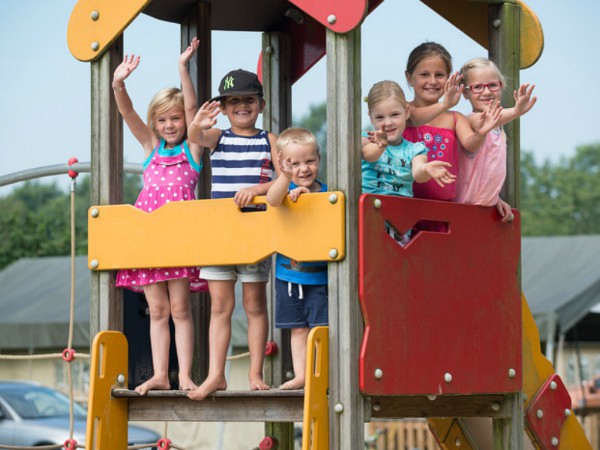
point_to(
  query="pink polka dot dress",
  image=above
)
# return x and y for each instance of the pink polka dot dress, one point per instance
(170, 175)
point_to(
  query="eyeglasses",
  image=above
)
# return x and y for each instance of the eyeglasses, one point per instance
(480, 87)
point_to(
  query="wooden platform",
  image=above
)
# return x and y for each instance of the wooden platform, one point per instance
(274, 405)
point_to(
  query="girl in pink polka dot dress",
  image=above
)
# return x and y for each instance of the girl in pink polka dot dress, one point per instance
(171, 171)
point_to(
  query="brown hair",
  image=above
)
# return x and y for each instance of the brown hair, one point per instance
(426, 50)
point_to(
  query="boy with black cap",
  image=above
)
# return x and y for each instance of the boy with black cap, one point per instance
(242, 168)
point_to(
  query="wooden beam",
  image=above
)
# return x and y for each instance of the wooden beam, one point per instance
(346, 404)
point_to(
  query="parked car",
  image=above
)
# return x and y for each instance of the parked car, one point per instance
(33, 415)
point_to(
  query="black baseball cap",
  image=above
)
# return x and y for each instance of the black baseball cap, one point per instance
(239, 82)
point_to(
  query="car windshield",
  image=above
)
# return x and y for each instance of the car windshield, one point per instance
(37, 402)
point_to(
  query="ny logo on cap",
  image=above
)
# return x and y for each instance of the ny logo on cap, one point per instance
(228, 83)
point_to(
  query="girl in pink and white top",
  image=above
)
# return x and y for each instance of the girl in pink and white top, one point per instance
(171, 170)
(482, 173)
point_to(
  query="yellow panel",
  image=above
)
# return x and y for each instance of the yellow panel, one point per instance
(440, 427)
(315, 433)
(471, 17)
(457, 438)
(95, 24)
(216, 232)
(107, 416)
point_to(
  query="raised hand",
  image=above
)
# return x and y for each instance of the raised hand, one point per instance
(379, 138)
(453, 90)
(523, 99)
(206, 117)
(489, 118)
(187, 54)
(124, 69)
(438, 171)
(285, 165)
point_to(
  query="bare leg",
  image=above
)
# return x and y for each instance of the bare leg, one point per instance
(219, 335)
(298, 343)
(255, 304)
(181, 312)
(160, 337)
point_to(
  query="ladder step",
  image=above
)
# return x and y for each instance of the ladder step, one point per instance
(274, 405)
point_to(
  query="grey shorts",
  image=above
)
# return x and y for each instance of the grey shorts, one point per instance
(247, 273)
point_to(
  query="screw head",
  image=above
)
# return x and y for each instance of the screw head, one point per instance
(539, 413)
(338, 408)
(333, 253)
(496, 406)
(95, 46)
(121, 379)
(94, 264)
(333, 199)
(376, 406)
(94, 15)
(567, 412)
(331, 19)
(553, 385)
(378, 374)
(432, 397)
(377, 203)
(94, 212)
(512, 373)
(554, 441)
(447, 377)
(496, 23)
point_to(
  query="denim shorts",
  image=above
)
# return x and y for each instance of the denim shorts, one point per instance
(248, 273)
(300, 306)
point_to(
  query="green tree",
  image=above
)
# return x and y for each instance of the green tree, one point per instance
(562, 198)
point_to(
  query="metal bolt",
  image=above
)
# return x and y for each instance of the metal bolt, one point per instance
(554, 441)
(95, 15)
(553, 385)
(95, 46)
(94, 212)
(432, 397)
(567, 412)
(512, 373)
(376, 406)
(269, 50)
(338, 408)
(331, 19)
(333, 253)
(539, 413)
(94, 264)
(333, 199)
(496, 23)
(377, 203)
(457, 442)
(496, 406)
(447, 377)
(378, 374)
(121, 379)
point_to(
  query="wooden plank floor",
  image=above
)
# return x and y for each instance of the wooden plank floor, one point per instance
(274, 405)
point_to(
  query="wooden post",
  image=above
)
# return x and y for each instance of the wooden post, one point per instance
(106, 302)
(504, 50)
(197, 23)
(277, 116)
(346, 414)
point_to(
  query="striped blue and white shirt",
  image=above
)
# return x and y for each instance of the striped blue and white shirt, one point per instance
(239, 162)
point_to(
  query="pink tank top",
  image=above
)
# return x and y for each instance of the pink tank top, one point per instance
(482, 173)
(442, 145)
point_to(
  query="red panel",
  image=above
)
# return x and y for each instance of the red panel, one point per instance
(347, 14)
(546, 412)
(443, 314)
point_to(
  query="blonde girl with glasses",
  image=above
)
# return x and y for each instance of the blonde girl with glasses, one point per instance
(482, 173)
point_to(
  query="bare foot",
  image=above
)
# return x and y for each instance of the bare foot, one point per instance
(294, 383)
(257, 384)
(153, 383)
(186, 384)
(208, 387)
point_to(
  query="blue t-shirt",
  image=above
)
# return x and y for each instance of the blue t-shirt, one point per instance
(391, 174)
(308, 273)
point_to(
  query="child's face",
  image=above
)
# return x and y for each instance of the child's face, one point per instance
(390, 115)
(304, 162)
(484, 86)
(170, 125)
(428, 80)
(242, 111)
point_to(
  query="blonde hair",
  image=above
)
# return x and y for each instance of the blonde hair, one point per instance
(163, 100)
(480, 63)
(297, 135)
(382, 91)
